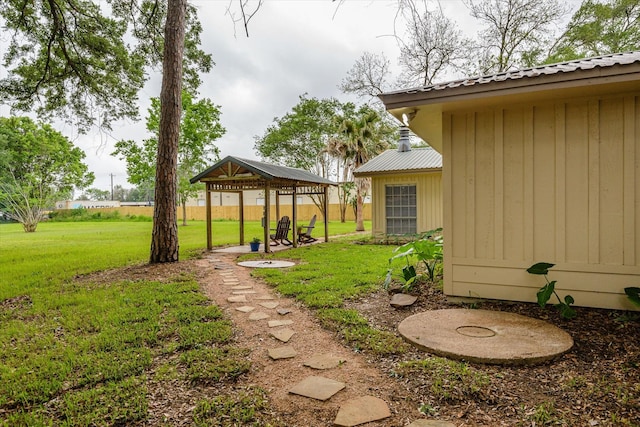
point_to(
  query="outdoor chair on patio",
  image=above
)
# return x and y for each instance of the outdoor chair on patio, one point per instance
(281, 232)
(305, 236)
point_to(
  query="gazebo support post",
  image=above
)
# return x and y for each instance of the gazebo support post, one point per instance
(208, 203)
(277, 205)
(294, 217)
(241, 215)
(325, 207)
(267, 216)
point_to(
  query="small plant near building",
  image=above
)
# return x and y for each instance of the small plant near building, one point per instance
(545, 292)
(633, 294)
(428, 251)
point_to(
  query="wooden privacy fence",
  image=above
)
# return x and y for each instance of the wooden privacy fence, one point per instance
(251, 213)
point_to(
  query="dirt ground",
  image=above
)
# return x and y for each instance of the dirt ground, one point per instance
(597, 383)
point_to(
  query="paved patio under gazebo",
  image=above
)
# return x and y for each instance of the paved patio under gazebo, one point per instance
(235, 175)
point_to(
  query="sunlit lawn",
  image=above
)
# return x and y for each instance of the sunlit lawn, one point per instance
(82, 353)
(58, 251)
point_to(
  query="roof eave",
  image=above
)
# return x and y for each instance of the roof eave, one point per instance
(396, 172)
(560, 80)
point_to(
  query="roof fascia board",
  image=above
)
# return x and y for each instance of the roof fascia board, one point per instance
(578, 78)
(397, 172)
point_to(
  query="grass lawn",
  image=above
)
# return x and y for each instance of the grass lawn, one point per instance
(79, 353)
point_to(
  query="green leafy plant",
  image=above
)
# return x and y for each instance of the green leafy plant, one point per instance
(545, 292)
(255, 240)
(427, 250)
(633, 293)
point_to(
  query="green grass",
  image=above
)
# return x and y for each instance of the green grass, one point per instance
(449, 380)
(58, 251)
(93, 345)
(82, 353)
(326, 276)
(247, 408)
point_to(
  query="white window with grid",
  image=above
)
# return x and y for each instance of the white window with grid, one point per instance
(400, 205)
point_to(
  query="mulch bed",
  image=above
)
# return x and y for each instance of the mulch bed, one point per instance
(597, 383)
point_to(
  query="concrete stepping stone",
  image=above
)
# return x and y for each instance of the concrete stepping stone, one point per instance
(285, 352)
(269, 304)
(283, 311)
(237, 298)
(241, 287)
(319, 388)
(402, 300)
(362, 410)
(283, 335)
(267, 264)
(245, 308)
(258, 316)
(431, 423)
(243, 292)
(265, 297)
(276, 323)
(324, 361)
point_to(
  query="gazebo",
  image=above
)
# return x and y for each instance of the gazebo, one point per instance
(235, 175)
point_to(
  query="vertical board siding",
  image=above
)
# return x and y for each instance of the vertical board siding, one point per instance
(544, 176)
(576, 181)
(611, 182)
(514, 191)
(556, 182)
(458, 196)
(429, 203)
(630, 179)
(483, 210)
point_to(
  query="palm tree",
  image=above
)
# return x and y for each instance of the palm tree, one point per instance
(361, 137)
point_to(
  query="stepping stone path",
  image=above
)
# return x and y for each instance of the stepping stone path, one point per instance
(324, 361)
(402, 300)
(258, 316)
(283, 335)
(320, 388)
(352, 412)
(285, 352)
(362, 410)
(276, 323)
(431, 423)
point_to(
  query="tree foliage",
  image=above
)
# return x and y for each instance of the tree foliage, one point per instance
(298, 138)
(73, 59)
(361, 136)
(599, 28)
(368, 77)
(431, 47)
(513, 34)
(38, 166)
(200, 126)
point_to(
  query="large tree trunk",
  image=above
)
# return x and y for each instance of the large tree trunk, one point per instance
(164, 240)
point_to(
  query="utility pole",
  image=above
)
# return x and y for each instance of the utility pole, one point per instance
(111, 175)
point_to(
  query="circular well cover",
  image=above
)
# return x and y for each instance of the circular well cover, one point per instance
(267, 263)
(485, 336)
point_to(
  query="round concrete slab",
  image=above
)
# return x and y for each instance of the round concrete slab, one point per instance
(267, 264)
(484, 336)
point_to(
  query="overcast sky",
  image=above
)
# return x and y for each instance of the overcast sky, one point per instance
(294, 47)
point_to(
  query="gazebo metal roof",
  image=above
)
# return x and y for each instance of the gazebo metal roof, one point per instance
(235, 174)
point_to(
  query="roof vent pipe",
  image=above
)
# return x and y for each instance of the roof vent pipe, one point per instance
(403, 143)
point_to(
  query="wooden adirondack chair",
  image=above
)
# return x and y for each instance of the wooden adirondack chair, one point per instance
(305, 236)
(281, 232)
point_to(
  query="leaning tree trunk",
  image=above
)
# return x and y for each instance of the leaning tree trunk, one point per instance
(164, 240)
